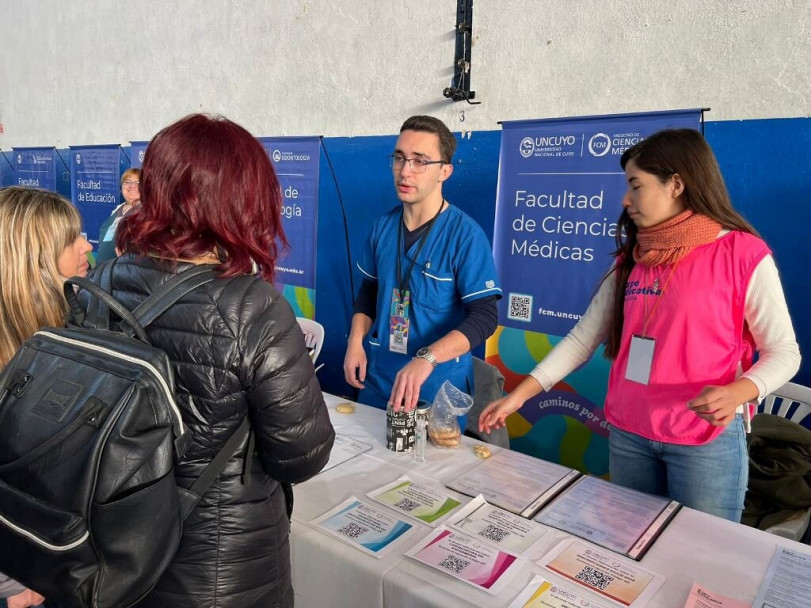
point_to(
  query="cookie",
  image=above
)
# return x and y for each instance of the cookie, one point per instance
(345, 408)
(481, 451)
(445, 437)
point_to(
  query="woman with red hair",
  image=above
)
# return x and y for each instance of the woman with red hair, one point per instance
(209, 195)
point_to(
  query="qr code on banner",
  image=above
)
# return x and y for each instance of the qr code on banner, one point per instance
(520, 307)
(454, 564)
(406, 504)
(352, 531)
(494, 533)
(594, 578)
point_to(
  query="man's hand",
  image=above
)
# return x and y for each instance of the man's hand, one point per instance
(355, 365)
(407, 383)
(717, 404)
(24, 599)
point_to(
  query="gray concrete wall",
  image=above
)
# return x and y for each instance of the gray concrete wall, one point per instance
(102, 71)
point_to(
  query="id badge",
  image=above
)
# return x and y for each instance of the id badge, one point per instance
(398, 322)
(640, 359)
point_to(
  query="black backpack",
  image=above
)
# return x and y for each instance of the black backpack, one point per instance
(90, 514)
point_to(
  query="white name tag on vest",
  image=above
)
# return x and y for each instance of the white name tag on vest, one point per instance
(640, 359)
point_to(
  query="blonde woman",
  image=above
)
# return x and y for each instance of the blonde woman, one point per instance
(41, 245)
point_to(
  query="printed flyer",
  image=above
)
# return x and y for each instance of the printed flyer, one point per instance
(498, 527)
(364, 526)
(543, 594)
(419, 501)
(701, 597)
(467, 559)
(603, 572)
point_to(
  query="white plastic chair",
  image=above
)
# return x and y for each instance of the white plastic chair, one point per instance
(313, 336)
(792, 401)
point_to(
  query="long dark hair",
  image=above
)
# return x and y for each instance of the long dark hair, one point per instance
(207, 185)
(664, 154)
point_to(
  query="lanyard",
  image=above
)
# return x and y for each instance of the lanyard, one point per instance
(402, 282)
(659, 299)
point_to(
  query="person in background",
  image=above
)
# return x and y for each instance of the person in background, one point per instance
(693, 294)
(131, 191)
(210, 196)
(41, 245)
(430, 288)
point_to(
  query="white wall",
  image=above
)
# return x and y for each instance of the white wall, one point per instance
(99, 71)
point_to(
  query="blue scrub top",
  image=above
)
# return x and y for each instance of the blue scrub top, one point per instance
(454, 267)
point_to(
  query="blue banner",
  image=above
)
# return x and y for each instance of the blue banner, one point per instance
(7, 177)
(296, 162)
(560, 189)
(137, 151)
(95, 190)
(36, 168)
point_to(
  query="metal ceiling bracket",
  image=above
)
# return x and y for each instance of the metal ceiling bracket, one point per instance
(460, 86)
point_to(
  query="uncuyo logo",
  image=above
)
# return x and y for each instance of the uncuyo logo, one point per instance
(599, 144)
(78, 159)
(141, 155)
(277, 156)
(19, 159)
(527, 147)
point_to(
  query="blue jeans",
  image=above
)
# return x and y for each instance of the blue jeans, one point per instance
(710, 477)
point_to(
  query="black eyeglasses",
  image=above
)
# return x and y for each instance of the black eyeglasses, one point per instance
(417, 165)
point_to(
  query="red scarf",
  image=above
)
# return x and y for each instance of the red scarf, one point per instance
(670, 241)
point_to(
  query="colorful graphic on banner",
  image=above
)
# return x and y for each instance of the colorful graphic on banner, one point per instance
(559, 196)
(560, 192)
(36, 168)
(95, 190)
(137, 151)
(296, 161)
(565, 425)
(7, 177)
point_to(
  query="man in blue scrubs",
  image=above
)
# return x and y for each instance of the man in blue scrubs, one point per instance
(429, 287)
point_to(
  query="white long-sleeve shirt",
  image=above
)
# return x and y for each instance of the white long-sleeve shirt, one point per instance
(765, 312)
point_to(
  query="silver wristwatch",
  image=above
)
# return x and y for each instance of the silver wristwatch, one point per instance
(425, 353)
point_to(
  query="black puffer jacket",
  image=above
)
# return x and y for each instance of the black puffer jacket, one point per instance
(236, 349)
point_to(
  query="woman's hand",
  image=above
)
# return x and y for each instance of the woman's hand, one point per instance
(717, 404)
(495, 414)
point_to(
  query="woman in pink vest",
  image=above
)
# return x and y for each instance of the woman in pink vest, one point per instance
(693, 293)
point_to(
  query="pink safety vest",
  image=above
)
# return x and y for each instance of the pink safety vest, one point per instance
(700, 334)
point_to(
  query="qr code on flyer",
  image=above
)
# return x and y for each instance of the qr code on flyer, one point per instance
(494, 533)
(594, 578)
(454, 564)
(352, 530)
(406, 504)
(520, 307)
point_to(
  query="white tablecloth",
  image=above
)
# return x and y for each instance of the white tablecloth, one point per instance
(725, 557)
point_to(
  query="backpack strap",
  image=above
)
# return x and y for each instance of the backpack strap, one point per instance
(117, 307)
(98, 311)
(102, 301)
(189, 498)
